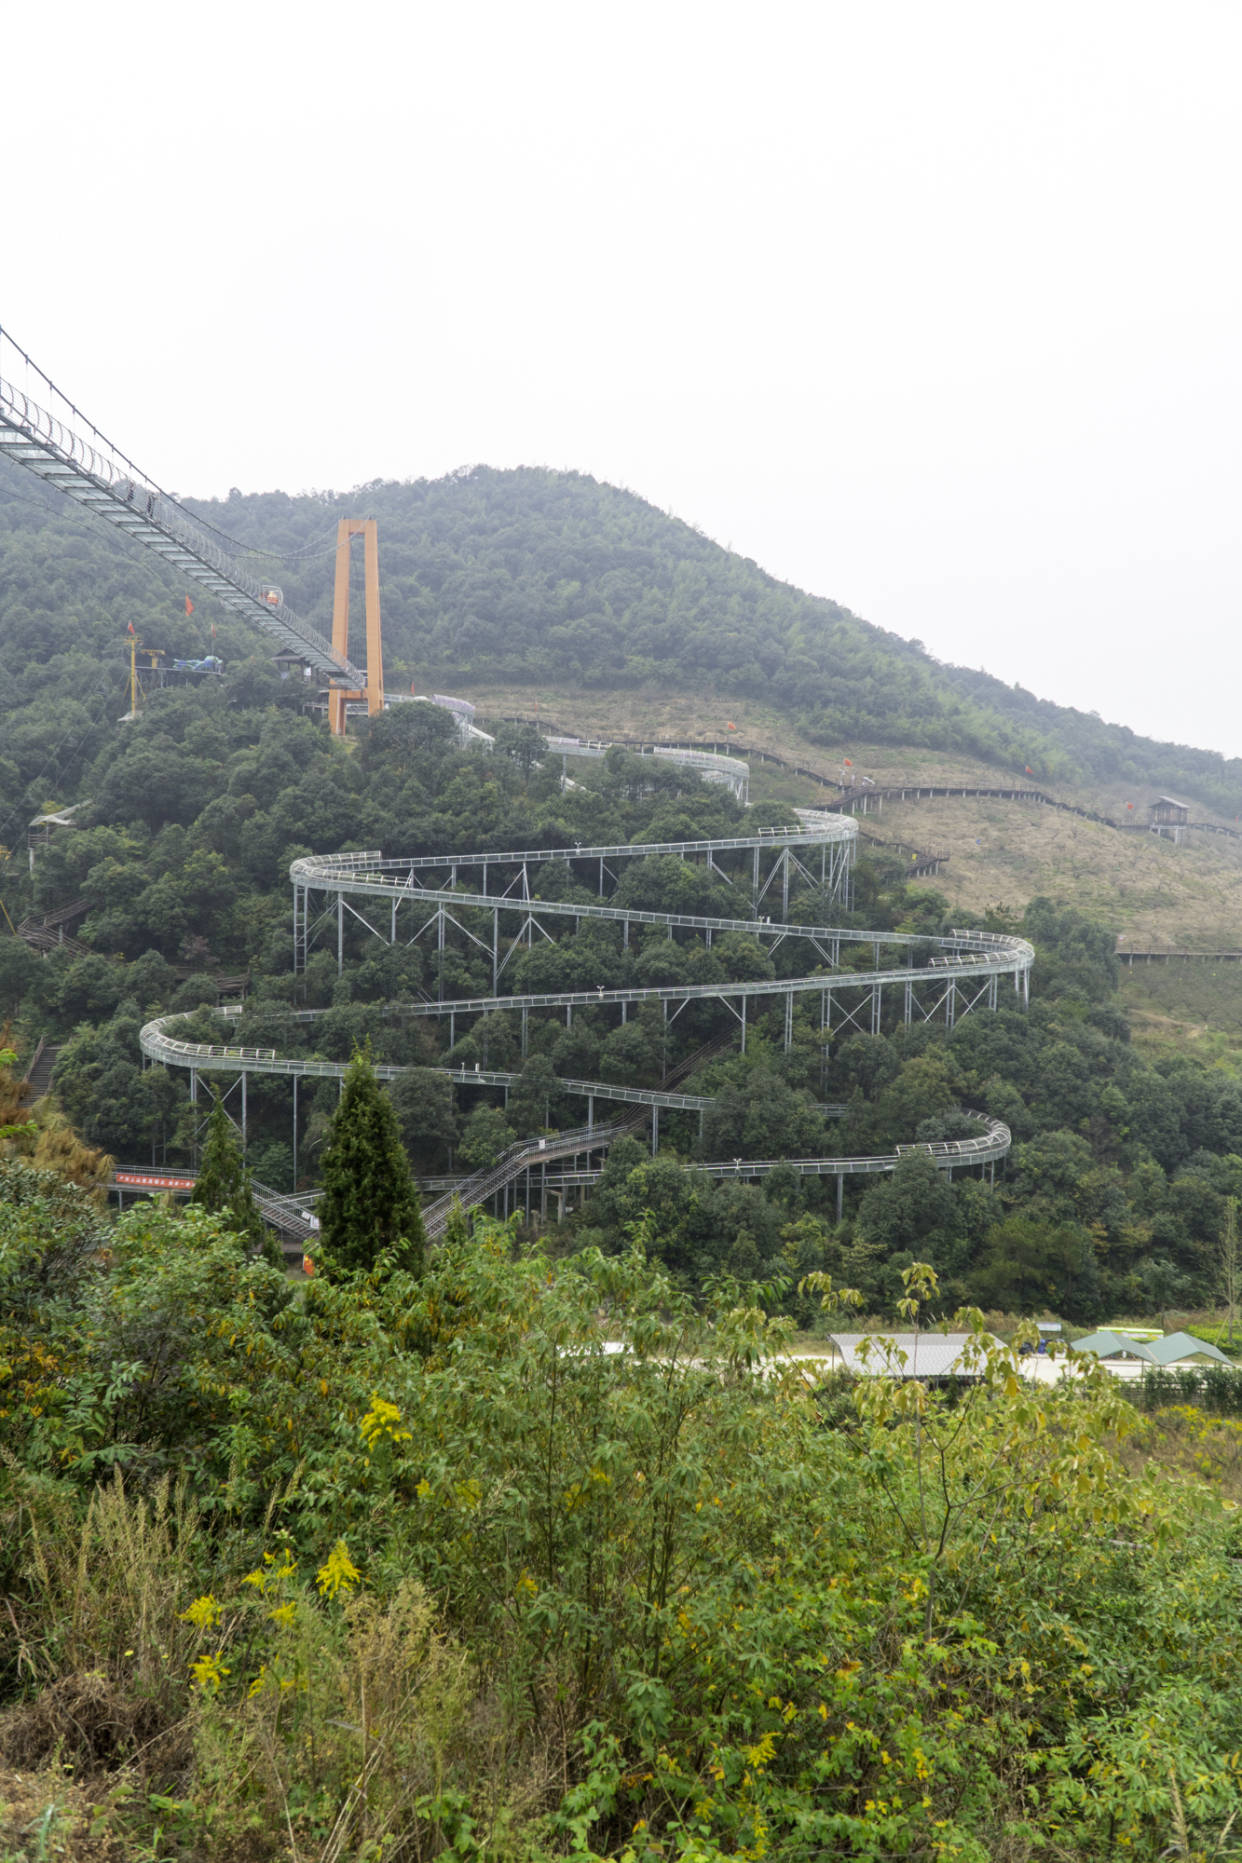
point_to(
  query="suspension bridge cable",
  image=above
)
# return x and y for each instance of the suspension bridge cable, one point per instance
(136, 471)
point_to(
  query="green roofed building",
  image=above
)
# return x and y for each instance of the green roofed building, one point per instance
(1183, 1348)
(1128, 1355)
(1116, 1347)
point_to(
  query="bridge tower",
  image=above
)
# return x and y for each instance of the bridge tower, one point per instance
(347, 530)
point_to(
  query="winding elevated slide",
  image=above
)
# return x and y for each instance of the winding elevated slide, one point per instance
(489, 903)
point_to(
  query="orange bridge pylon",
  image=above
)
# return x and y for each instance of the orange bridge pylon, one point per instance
(347, 529)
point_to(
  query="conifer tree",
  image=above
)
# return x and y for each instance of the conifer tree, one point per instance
(369, 1202)
(224, 1184)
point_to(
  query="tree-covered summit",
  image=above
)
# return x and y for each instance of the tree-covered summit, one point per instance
(526, 575)
(542, 576)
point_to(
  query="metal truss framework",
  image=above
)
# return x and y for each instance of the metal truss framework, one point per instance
(66, 451)
(490, 900)
(501, 892)
(527, 1162)
(947, 1155)
(731, 773)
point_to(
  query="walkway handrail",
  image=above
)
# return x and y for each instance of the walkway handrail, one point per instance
(314, 869)
(474, 1190)
(74, 456)
(991, 1145)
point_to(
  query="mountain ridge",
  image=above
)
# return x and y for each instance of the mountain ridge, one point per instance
(529, 575)
(526, 574)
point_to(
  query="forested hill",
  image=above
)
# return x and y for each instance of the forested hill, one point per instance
(532, 575)
(548, 577)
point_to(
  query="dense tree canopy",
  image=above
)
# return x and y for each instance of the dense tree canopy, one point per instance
(223, 1185)
(530, 575)
(442, 1534)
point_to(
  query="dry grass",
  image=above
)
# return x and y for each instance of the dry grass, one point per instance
(1195, 1006)
(101, 1631)
(706, 716)
(1155, 895)
(50, 1814)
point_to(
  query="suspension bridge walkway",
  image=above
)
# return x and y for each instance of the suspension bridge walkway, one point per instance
(41, 429)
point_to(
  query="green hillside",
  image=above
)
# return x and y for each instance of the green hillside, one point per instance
(533, 576)
(530, 577)
(178, 873)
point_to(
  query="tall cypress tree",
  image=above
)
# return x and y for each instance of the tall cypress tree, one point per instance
(224, 1185)
(369, 1202)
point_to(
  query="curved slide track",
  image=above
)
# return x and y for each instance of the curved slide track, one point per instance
(732, 773)
(490, 902)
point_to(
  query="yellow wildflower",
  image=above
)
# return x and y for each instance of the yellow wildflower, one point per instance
(339, 1573)
(203, 1613)
(209, 1672)
(382, 1423)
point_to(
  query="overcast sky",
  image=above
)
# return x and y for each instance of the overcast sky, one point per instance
(933, 308)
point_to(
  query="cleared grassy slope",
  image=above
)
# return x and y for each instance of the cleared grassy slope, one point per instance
(706, 715)
(1186, 1006)
(1155, 895)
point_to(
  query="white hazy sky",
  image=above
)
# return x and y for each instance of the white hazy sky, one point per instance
(932, 307)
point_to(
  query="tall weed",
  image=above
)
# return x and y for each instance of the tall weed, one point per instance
(98, 1625)
(334, 1730)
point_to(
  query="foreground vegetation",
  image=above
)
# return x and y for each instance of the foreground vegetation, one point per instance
(402, 1567)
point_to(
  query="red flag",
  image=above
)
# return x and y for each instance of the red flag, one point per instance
(1028, 769)
(131, 627)
(189, 606)
(849, 763)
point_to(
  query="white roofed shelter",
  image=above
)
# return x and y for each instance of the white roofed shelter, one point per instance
(926, 1355)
